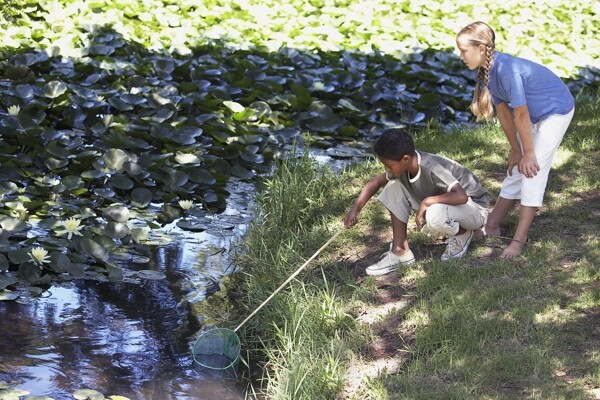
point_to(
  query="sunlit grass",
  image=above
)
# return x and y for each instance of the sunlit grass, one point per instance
(483, 328)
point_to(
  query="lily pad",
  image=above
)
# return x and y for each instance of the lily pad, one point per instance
(7, 295)
(88, 394)
(7, 280)
(191, 225)
(151, 275)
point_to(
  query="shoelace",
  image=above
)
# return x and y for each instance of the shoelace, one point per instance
(455, 245)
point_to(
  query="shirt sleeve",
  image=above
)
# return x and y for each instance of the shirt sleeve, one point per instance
(514, 88)
(443, 179)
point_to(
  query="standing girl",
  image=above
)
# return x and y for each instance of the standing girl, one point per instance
(534, 108)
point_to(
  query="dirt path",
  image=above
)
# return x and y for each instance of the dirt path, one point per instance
(386, 353)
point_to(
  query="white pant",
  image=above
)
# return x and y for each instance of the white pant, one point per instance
(442, 219)
(547, 136)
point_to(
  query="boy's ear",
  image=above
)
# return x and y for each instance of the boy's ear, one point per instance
(406, 157)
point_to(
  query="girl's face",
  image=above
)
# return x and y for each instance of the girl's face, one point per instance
(396, 168)
(472, 55)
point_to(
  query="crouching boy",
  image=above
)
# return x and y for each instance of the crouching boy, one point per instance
(444, 194)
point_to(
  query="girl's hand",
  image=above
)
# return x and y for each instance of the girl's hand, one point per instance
(529, 165)
(514, 159)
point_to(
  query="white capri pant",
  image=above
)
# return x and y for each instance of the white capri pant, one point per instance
(547, 136)
(442, 219)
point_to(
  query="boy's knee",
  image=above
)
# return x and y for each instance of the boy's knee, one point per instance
(436, 215)
(438, 221)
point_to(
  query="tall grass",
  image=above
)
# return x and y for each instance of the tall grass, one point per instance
(301, 336)
(481, 327)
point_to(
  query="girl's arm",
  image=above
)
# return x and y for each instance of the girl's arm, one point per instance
(507, 122)
(528, 165)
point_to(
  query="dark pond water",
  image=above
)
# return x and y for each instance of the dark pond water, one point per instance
(130, 339)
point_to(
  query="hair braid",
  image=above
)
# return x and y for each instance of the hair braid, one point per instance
(484, 100)
(480, 33)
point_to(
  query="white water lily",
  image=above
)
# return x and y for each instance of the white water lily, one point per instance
(186, 204)
(39, 256)
(14, 110)
(71, 226)
(318, 85)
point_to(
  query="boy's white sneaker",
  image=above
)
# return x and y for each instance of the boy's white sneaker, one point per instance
(457, 246)
(389, 262)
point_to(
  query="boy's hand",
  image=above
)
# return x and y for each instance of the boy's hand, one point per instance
(421, 214)
(350, 219)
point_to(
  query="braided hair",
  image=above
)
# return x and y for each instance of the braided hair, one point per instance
(480, 33)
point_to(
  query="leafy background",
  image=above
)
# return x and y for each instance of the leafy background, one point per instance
(112, 112)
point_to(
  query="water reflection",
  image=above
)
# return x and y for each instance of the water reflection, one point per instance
(128, 339)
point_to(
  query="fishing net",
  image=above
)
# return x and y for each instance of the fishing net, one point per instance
(217, 349)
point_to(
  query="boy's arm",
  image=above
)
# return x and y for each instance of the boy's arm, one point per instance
(454, 197)
(365, 195)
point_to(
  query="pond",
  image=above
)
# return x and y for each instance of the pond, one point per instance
(134, 338)
(128, 339)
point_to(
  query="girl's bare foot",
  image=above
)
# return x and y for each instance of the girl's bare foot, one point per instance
(491, 231)
(513, 250)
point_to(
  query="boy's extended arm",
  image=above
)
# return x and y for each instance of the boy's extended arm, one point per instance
(365, 195)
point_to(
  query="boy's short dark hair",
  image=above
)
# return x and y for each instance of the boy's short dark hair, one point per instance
(393, 144)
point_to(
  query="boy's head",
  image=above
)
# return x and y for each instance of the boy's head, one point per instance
(394, 144)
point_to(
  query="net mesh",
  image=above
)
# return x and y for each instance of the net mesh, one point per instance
(217, 348)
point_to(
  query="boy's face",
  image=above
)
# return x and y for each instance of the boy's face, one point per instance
(396, 168)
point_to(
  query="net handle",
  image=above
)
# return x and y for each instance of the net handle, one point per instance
(289, 279)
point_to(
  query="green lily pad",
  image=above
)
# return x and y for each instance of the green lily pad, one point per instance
(151, 275)
(116, 230)
(121, 181)
(93, 249)
(7, 280)
(192, 225)
(114, 159)
(7, 295)
(54, 89)
(88, 394)
(116, 213)
(187, 158)
(19, 256)
(141, 197)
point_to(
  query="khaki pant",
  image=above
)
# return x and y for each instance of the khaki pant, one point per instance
(442, 219)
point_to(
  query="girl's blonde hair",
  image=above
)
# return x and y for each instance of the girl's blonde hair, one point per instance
(480, 33)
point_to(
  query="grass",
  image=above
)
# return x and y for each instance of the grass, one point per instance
(477, 328)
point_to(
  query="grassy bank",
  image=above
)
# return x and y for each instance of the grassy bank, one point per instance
(476, 328)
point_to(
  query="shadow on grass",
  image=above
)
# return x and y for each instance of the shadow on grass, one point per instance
(502, 329)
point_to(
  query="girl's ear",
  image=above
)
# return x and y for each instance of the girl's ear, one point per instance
(482, 48)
